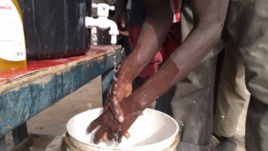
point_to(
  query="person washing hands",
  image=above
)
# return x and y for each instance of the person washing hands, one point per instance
(121, 113)
(249, 34)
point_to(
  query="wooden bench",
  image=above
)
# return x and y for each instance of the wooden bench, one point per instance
(24, 92)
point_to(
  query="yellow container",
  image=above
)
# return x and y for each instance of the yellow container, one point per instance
(12, 40)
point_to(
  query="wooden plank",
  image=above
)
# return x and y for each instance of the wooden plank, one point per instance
(3, 143)
(20, 133)
(55, 144)
(9, 79)
(41, 142)
(24, 145)
(24, 97)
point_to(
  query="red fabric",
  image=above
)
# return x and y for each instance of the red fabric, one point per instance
(176, 10)
(172, 41)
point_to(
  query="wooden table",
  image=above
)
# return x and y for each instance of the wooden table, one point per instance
(25, 92)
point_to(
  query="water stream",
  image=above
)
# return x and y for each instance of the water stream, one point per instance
(115, 64)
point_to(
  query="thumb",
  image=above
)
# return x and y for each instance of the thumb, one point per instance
(123, 23)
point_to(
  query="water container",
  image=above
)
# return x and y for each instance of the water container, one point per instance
(55, 28)
(152, 131)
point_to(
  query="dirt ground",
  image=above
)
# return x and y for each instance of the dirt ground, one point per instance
(53, 120)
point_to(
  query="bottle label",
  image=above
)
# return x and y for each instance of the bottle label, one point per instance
(12, 42)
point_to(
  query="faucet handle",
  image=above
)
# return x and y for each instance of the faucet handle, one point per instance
(94, 5)
(102, 9)
(112, 8)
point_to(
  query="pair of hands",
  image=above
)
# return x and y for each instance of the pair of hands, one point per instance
(117, 116)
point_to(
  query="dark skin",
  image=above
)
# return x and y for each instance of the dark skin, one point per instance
(120, 16)
(209, 16)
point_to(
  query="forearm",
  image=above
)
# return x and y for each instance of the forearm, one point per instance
(155, 86)
(151, 38)
(194, 49)
(176, 68)
(185, 58)
(209, 17)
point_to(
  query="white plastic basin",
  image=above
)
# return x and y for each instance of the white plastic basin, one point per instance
(152, 131)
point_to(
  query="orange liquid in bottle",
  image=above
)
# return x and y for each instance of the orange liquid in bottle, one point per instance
(6, 64)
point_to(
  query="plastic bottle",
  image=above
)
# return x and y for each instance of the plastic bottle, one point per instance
(12, 40)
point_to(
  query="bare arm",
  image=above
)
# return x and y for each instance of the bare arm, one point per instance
(152, 36)
(209, 17)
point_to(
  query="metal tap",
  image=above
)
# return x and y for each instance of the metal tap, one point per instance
(102, 21)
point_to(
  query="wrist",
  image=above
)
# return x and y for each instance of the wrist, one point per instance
(156, 85)
(132, 105)
(127, 72)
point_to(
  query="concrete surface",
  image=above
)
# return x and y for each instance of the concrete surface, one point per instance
(53, 120)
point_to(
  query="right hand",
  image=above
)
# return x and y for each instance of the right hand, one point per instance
(120, 16)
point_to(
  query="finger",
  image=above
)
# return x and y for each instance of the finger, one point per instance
(105, 137)
(107, 104)
(99, 134)
(119, 137)
(110, 136)
(94, 124)
(105, 107)
(117, 111)
(128, 89)
(123, 22)
(124, 33)
(121, 134)
(126, 135)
